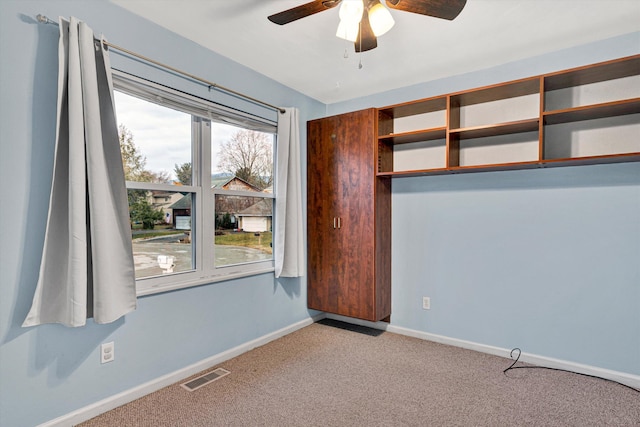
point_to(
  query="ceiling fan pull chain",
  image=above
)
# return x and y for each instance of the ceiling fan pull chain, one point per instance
(360, 50)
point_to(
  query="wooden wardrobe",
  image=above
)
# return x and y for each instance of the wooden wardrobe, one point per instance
(348, 218)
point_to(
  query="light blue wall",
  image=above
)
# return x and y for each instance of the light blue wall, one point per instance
(543, 259)
(51, 370)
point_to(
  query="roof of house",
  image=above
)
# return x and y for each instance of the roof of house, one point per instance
(227, 181)
(262, 208)
(183, 203)
(221, 181)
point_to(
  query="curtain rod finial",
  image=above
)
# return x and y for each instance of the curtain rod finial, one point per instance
(44, 20)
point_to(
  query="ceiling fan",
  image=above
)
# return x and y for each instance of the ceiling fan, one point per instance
(362, 21)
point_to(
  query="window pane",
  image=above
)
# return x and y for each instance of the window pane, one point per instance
(244, 154)
(243, 229)
(241, 160)
(161, 232)
(155, 141)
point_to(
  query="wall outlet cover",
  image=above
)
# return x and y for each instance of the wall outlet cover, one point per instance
(107, 352)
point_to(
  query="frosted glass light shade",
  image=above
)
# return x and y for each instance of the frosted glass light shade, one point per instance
(380, 19)
(348, 30)
(351, 10)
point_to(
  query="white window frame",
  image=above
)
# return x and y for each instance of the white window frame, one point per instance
(202, 114)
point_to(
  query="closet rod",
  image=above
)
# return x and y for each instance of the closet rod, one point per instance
(45, 20)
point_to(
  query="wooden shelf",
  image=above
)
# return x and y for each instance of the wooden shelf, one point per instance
(427, 105)
(496, 167)
(462, 169)
(589, 112)
(571, 161)
(603, 71)
(519, 126)
(415, 136)
(410, 173)
(512, 89)
(593, 160)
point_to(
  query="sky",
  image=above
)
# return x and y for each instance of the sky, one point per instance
(163, 135)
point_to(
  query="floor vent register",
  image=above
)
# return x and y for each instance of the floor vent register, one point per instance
(205, 379)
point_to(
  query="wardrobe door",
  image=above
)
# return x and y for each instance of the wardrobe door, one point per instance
(355, 210)
(321, 218)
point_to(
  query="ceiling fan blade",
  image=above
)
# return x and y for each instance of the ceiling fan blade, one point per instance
(302, 11)
(366, 39)
(445, 9)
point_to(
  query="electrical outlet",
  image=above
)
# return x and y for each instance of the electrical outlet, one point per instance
(426, 303)
(107, 352)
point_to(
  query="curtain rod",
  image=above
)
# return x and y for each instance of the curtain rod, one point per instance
(45, 20)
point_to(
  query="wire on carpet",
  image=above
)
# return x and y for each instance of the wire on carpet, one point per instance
(558, 369)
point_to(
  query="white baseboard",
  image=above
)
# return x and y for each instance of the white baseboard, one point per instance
(548, 362)
(102, 406)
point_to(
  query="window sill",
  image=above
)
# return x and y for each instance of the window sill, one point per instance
(161, 288)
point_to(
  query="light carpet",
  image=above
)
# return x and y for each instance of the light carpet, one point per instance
(325, 375)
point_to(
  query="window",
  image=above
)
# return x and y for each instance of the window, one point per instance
(200, 186)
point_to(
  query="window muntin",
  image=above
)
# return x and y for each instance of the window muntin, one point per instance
(189, 170)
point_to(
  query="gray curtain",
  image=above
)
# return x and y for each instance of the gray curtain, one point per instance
(288, 240)
(87, 265)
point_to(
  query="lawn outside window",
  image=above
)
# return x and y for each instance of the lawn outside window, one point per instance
(200, 187)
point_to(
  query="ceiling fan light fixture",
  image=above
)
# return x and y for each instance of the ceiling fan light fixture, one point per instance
(351, 11)
(350, 15)
(369, 19)
(348, 30)
(380, 18)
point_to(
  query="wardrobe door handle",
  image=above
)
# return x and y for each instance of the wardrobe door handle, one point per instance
(339, 222)
(334, 222)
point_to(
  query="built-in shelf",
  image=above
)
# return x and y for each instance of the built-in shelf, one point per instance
(590, 112)
(570, 161)
(527, 123)
(497, 129)
(415, 136)
(592, 160)
(507, 90)
(610, 70)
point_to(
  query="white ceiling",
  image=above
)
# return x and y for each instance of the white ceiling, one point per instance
(307, 56)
